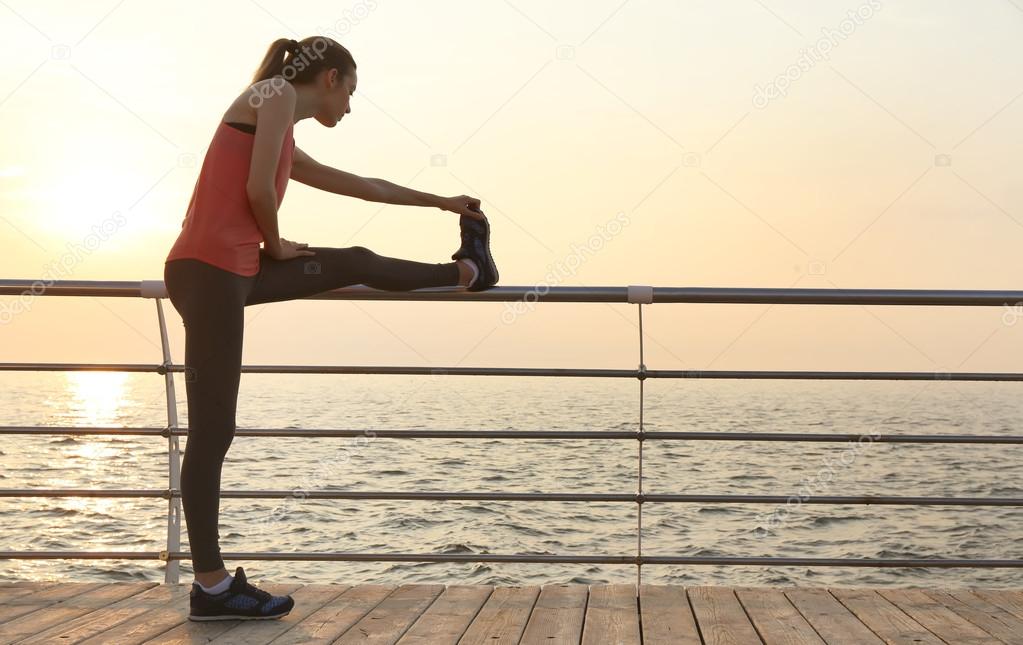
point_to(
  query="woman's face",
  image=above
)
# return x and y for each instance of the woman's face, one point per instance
(336, 99)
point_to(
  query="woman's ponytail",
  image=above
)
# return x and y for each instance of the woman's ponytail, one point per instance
(273, 62)
(300, 60)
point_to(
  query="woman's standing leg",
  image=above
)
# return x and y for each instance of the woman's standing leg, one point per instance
(211, 304)
(334, 268)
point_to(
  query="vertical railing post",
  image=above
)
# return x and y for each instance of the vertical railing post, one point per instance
(640, 295)
(172, 568)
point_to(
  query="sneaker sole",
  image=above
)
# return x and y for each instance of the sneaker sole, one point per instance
(228, 617)
(491, 265)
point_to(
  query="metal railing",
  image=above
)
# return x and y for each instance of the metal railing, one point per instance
(633, 294)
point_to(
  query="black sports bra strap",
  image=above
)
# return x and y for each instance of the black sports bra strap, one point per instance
(244, 127)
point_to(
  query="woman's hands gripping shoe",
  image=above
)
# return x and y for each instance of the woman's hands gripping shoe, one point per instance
(463, 205)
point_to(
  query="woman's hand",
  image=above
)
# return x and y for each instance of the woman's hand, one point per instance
(288, 249)
(463, 205)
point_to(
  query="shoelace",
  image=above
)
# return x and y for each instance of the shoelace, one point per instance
(259, 594)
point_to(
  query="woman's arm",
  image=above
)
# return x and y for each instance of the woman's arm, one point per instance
(273, 117)
(306, 170)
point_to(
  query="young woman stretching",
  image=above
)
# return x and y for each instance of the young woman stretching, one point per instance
(216, 268)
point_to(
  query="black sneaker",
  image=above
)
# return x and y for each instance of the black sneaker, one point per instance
(241, 601)
(476, 247)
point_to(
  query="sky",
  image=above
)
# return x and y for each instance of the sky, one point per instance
(736, 143)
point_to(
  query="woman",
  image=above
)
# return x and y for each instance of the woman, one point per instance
(216, 268)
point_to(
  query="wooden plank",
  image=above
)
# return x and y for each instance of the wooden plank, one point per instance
(557, 617)
(70, 608)
(1008, 600)
(991, 618)
(775, 618)
(666, 616)
(612, 616)
(890, 623)
(35, 585)
(386, 622)
(148, 624)
(947, 624)
(190, 631)
(720, 616)
(308, 599)
(830, 618)
(448, 617)
(335, 618)
(22, 605)
(503, 617)
(12, 591)
(108, 616)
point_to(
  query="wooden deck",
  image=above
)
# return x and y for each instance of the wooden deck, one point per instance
(149, 612)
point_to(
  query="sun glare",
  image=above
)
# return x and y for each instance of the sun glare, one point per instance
(95, 398)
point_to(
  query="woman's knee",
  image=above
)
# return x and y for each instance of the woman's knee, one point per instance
(351, 261)
(359, 253)
(208, 444)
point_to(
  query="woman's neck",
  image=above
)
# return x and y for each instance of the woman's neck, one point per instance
(306, 101)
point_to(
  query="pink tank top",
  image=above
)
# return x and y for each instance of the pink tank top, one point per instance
(219, 227)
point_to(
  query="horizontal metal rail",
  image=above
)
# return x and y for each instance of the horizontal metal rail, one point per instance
(545, 293)
(534, 371)
(493, 557)
(632, 498)
(629, 435)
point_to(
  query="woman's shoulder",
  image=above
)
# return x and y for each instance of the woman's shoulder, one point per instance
(274, 90)
(267, 89)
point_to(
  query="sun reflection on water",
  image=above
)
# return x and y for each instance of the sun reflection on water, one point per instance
(93, 399)
(96, 398)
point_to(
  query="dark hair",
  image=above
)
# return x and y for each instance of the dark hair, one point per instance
(299, 61)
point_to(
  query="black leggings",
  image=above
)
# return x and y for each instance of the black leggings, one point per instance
(211, 303)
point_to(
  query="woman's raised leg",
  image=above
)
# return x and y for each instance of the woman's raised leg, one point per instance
(334, 268)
